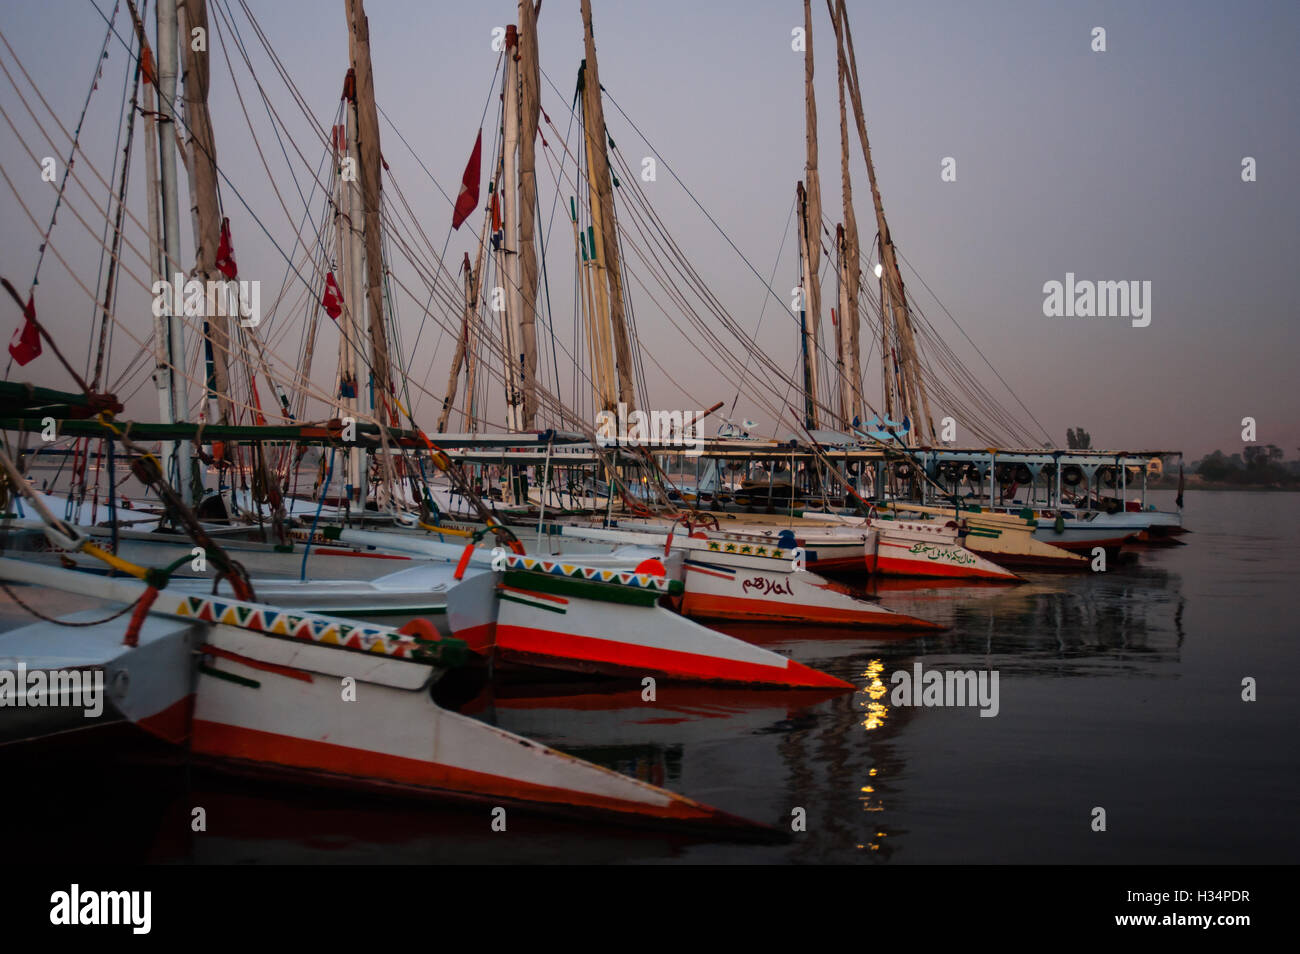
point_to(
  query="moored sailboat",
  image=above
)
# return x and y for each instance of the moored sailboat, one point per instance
(269, 692)
(756, 581)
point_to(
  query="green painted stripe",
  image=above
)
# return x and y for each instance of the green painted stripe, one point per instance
(229, 677)
(540, 604)
(399, 611)
(586, 589)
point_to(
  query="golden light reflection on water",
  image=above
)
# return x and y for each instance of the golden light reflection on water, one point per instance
(877, 713)
(877, 844)
(876, 691)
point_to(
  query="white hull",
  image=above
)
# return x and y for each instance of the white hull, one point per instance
(764, 584)
(276, 693)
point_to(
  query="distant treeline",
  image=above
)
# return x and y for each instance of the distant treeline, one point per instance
(1259, 465)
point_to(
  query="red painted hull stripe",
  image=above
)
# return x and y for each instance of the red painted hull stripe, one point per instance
(363, 556)
(173, 723)
(712, 606)
(478, 638)
(622, 657)
(236, 742)
(919, 568)
(837, 563)
(721, 576)
(540, 596)
(1086, 545)
(257, 663)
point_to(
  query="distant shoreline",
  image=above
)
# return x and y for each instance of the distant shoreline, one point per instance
(1224, 485)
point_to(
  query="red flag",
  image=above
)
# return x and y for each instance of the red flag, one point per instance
(468, 198)
(225, 254)
(26, 342)
(257, 403)
(333, 301)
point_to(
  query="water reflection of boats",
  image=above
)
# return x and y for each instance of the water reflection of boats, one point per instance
(146, 816)
(620, 728)
(782, 750)
(1132, 610)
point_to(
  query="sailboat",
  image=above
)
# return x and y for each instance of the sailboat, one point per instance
(264, 696)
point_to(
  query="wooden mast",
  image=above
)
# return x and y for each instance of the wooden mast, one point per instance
(462, 342)
(529, 112)
(176, 454)
(162, 373)
(811, 211)
(849, 261)
(593, 322)
(473, 337)
(604, 224)
(370, 161)
(842, 329)
(369, 167)
(913, 399)
(507, 251)
(807, 336)
(201, 156)
(469, 421)
(347, 232)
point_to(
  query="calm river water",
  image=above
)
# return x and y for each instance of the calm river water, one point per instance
(1119, 690)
